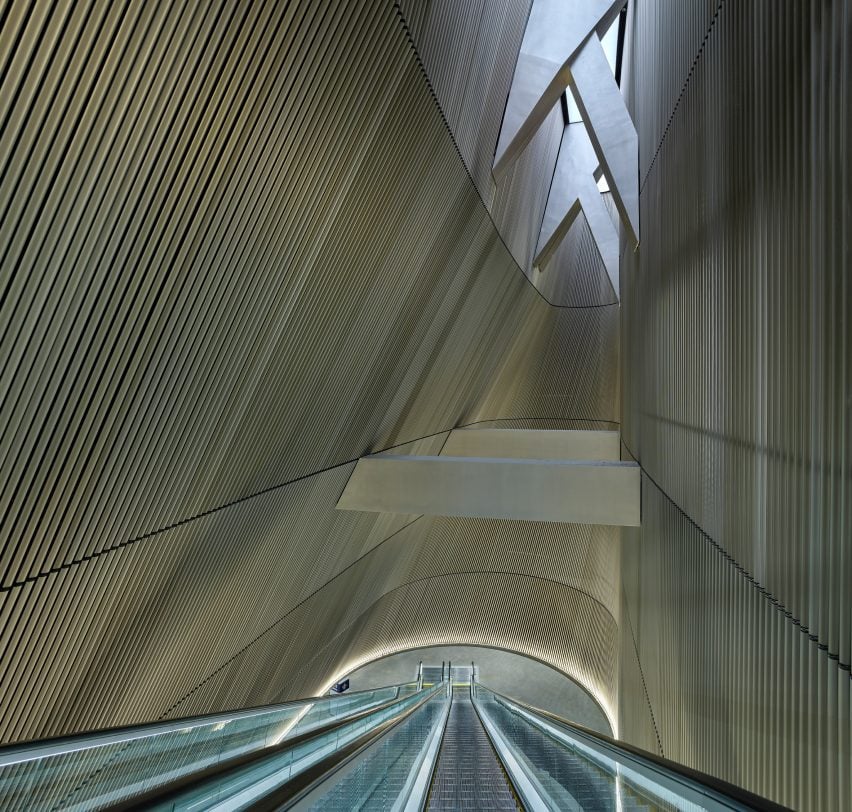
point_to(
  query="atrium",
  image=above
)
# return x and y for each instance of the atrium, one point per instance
(470, 368)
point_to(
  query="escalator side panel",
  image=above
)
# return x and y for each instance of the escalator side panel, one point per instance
(376, 778)
(570, 780)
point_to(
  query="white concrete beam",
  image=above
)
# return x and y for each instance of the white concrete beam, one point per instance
(555, 31)
(574, 188)
(584, 492)
(533, 444)
(610, 129)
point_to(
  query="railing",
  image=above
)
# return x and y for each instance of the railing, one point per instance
(278, 778)
(99, 769)
(393, 762)
(216, 761)
(531, 741)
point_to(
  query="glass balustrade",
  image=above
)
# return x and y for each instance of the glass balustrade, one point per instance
(237, 789)
(557, 765)
(95, 770)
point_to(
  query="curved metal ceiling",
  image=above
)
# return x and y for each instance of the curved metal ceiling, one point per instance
(239, 250)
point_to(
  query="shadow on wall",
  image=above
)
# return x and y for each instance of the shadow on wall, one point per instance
(520, 677)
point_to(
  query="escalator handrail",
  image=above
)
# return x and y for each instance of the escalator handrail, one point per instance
(409, 801)
(307, 780)
(19, 752)
(533, 796)
(164, 792)
(621, 749)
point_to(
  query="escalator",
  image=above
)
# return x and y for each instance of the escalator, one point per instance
(385, 775)
(473, 749)
(564, 778)
(468, 774)
(405, 748)
(443, 744)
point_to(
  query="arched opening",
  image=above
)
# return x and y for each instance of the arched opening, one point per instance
(516, 675)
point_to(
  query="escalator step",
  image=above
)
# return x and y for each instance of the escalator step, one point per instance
(468, 774)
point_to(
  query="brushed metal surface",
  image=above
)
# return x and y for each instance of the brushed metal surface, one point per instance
(240, 250)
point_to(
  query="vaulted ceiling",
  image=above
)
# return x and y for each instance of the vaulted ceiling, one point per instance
(241, 248)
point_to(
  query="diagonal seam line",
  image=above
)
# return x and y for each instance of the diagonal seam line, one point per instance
(285, 616)
(429, 578)
(402, 585)
(248, 645)
(682, 91)
(210, 511)
(434, 95)
(781, 607)
(642, 673)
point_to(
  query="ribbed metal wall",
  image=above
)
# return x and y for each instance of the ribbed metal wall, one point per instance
(243, 244)
(239, 250)
(737, 380)
(495, 583)
(468, 50)
(684, 27)
(576, 275)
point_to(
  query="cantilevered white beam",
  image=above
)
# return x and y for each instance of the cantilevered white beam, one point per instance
(610, 128)
(533, 444)
(585, 492)
(555, 31)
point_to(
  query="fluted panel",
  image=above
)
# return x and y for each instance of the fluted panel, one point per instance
(736, 335)
(469, 50)
(544, 590)
(739, 373)
(553, 356)
(668, 37)
(123, 636)
(584, 557)
(635, 716)
(239, 250)
(517, 615)
(736, 689)
(576, 275)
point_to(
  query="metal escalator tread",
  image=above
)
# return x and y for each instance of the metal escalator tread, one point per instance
(468, 774)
